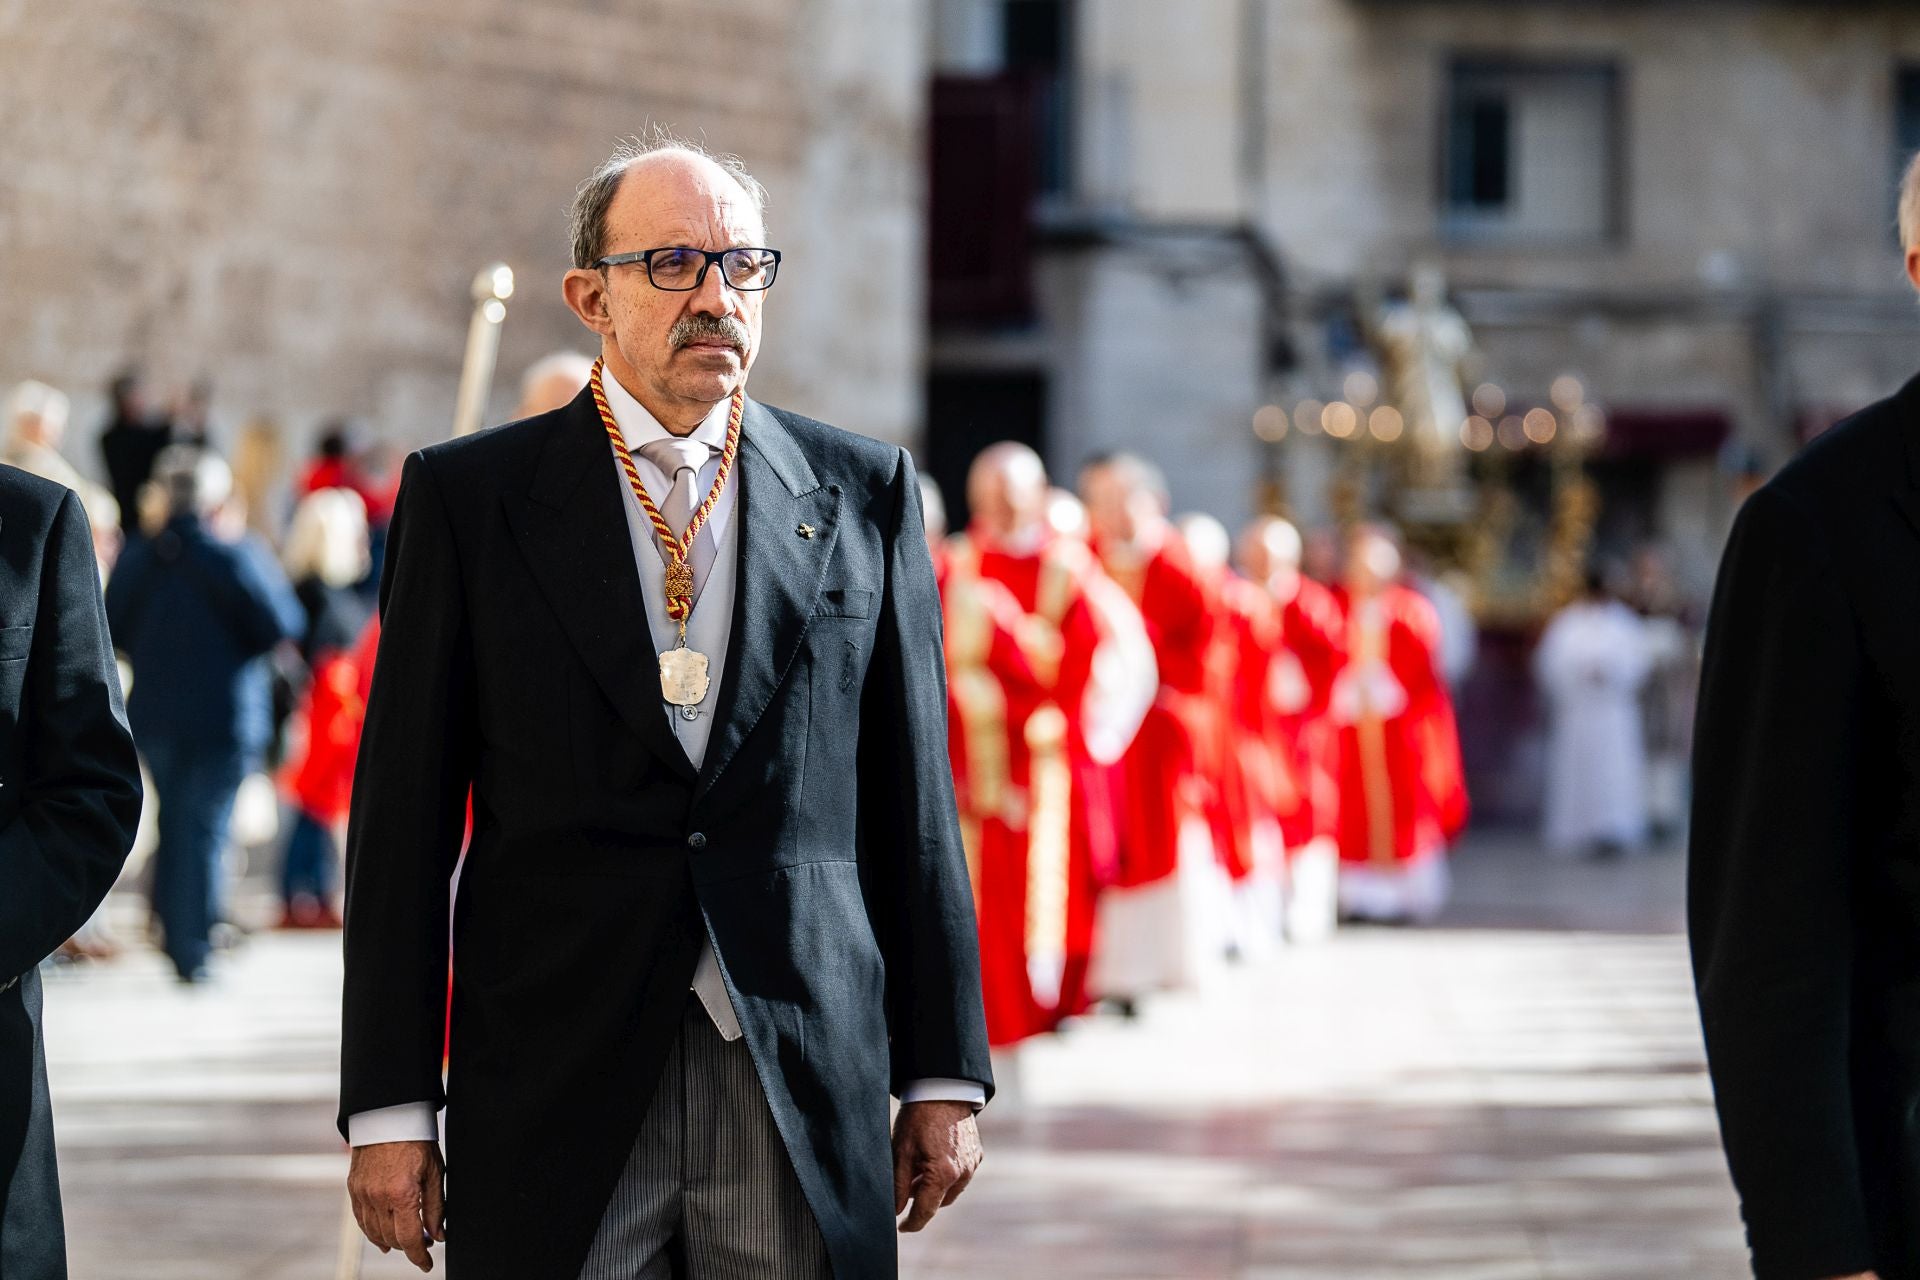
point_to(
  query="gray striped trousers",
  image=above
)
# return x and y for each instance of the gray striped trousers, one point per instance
(708, 1193)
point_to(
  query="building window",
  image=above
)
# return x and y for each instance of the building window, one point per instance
(1037, 43)
(1530, 152)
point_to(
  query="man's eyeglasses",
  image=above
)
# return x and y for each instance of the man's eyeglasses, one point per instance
(681, 270)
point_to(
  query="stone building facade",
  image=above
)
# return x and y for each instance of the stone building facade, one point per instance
(291, 199)
(1688, 207)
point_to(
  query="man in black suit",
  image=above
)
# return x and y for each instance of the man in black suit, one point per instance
(1805, 880)
(714, 906)
(130, 442)
(69, 802)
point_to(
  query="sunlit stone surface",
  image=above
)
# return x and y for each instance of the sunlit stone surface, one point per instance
(1516, 1096)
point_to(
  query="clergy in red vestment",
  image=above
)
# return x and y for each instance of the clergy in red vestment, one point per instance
(1296, 688)
(992, 692)
(1162, 923)
(1402, 794)
(1057, 816)
(1256, 780)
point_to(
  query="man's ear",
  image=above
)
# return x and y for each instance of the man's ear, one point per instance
(586, 296)
(1913, 266)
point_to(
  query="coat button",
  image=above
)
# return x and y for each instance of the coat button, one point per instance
(696, 841)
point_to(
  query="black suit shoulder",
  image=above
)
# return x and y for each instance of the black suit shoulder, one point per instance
(496, 458)
(1861, 460)
(1832, 512)
(841, 456)
(24, 495)
(835, 441)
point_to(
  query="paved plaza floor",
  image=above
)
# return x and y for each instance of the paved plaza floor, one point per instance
(1514, 1095)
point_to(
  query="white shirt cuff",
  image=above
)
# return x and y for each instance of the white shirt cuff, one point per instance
(408, 1122)
(416, 1121)
(940, 1089)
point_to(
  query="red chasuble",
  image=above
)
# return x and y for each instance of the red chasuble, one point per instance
(1067, 834)
(1171, 775)
(1260, 788)
(992, 692)
(1299, 684)
(1402, 790)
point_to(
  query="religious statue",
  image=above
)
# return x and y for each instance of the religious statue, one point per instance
(1423, 346)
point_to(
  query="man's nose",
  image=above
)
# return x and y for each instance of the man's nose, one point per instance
(713, 297)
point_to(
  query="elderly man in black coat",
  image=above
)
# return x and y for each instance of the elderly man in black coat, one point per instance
(69, 802)
(683, 651)
(1805, 876)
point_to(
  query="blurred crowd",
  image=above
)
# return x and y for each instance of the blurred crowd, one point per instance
(244, 637)
(241, 593)
(1172, 745)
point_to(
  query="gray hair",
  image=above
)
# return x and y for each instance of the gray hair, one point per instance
(36, 399)
(587, 220)
(1910, 207)
(1134, 470)
(559, 364)
(194, 481)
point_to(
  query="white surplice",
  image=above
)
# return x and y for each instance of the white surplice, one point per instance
(1591, 666)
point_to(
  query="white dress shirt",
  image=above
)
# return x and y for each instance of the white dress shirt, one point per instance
(709, 629)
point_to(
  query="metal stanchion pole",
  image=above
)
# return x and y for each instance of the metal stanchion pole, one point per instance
(491, 289)
(352, 1244)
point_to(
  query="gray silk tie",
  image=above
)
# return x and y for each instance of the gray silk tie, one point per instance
(681, 460)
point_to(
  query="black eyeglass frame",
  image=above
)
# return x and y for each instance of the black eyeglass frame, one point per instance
(712, 256)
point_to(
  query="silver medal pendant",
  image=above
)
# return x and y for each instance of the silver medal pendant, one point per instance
(683, 676)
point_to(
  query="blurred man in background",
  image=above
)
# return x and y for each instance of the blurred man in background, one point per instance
(1403, 794)
(552, 381)
(1162, 922)
(69, 801)
(993, 688)
(1297, 684)
(1591, 666)
(1253, 792)
(130, 441)
(1804, 904)
(197, 612)
(30, 437)
(1671, 626)
(1077, 730)
(192, 420)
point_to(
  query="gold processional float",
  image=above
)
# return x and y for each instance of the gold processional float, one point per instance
(1494, 493)
(491, 289)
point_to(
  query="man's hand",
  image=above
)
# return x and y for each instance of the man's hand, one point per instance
(936, 1148)
(398, 1193)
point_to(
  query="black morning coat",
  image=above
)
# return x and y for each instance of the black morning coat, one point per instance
(1805, 880)
(69, 802)
(818, 846)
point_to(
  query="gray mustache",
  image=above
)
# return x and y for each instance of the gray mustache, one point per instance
(708, 329)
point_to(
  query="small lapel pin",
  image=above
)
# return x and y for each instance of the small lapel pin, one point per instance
(806, 531)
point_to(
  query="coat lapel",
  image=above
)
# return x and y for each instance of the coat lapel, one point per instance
(571, 523)
(780, 574)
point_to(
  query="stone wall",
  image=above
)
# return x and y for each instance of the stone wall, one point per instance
(293, 198)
